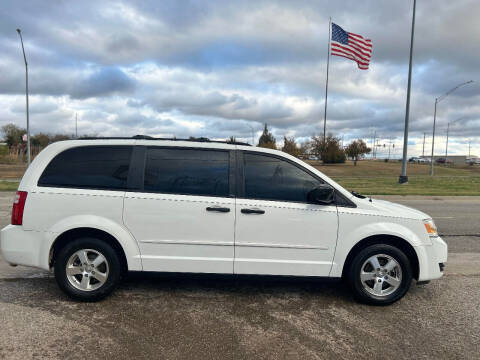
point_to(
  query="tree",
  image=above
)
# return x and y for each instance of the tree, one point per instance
(329, 149)
(13, 134)
(356, 149)
(41, 140)
(305, 149)
(267, 140)
(290, 146)
(231, 140)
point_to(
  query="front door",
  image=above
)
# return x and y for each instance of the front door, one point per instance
(183, 215)
(277, 230)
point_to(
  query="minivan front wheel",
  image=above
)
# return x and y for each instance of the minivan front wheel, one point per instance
(380, 274)
(87, 269)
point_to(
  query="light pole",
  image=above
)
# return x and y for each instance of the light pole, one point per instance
(403, 178)
(448, 128)
(26, 94)
(423, 148)
(253, 137)
(437, 100)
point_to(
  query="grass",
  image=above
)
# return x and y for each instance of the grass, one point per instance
(368, 177)
(12, 171)
(417, 185)
(381, 178)
(8, 185)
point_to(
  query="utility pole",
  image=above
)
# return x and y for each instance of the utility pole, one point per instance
(469, 142)
(423, 149)
(437, 100)
(26, 95)
(389, 146)
(373, 147)
(76, 126)
(253, 137)
(448, 128)
(403, 178)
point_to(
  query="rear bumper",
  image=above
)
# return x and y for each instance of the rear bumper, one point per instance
(432, 259)
(21, 247)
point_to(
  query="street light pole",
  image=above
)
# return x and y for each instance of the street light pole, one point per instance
(403, 179)
(423, 148)
(437, 100)
(448, 128)
(446, 147)
(433, 136)
(26, 94)
(253, 137)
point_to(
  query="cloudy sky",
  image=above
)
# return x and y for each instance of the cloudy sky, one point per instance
(220, 68)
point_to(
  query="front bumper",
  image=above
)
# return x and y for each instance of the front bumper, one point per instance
(21, 247)
(432, 259)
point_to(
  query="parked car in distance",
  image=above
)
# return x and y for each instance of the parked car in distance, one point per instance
(419, 160)
(443, 161)
(472, 161)
(94, 209)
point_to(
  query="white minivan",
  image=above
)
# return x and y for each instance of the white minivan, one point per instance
(94, 209)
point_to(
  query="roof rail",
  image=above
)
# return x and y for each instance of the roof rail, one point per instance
(146, 137)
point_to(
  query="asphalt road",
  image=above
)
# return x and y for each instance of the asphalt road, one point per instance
(166, 317)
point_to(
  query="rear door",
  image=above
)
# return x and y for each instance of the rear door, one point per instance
(183, 212)
(277, 230)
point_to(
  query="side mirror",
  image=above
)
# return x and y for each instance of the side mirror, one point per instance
(323, 195)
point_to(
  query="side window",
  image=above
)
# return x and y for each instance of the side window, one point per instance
(89, 167)
(187, 171)
(270, 178)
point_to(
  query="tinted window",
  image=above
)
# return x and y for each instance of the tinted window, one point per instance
(271, 178)
(187, 171)
(91, 167)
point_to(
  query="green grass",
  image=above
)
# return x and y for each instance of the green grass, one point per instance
(3, 150)
(417, 185)
(8, 185)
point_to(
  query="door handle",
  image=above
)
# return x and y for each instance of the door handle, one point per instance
(218, 209)
(253, 211)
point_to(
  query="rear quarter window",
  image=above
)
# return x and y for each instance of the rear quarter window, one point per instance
(89, 167)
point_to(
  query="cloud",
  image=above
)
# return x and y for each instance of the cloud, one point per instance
(215, 68)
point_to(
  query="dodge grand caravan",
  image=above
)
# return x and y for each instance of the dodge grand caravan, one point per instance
(93, 209)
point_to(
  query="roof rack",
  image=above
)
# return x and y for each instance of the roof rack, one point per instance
(146, 137)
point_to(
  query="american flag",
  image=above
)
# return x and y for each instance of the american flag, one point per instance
(351, 46)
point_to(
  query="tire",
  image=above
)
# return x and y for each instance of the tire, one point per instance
(384, 286)
(93, 281)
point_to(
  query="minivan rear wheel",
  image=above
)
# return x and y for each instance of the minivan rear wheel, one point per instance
(380, 274)
(87, 269)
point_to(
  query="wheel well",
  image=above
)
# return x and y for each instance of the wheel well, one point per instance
(73, 234)
(389, 240)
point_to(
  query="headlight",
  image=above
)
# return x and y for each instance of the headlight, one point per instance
(430, 227)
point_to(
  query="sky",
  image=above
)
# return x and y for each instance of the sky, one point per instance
(224, 68)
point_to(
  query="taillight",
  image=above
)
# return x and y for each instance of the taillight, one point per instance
(18, 206)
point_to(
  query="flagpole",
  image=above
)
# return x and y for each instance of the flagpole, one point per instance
(326, 83)
(403, 178)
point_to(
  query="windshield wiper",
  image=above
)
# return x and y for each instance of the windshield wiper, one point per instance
(360, 196)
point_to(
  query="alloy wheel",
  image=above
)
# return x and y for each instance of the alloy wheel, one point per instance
(87, 270)
(381, 275)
